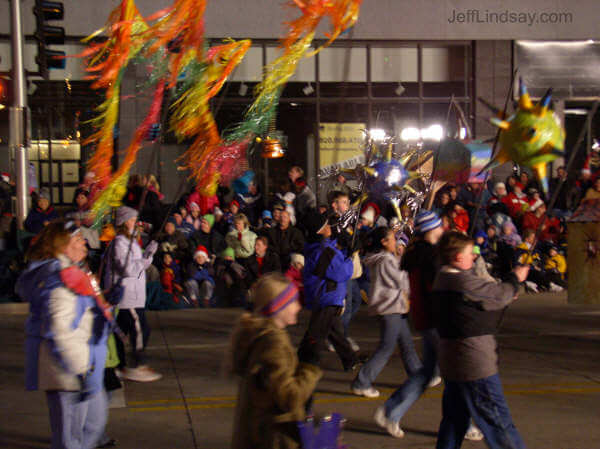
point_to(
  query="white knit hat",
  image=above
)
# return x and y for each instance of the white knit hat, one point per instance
(297, 258)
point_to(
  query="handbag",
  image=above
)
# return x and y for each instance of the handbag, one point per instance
(327, 436)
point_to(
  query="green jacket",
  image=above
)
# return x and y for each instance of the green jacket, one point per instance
(243, 248)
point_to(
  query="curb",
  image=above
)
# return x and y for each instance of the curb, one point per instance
(14, 308)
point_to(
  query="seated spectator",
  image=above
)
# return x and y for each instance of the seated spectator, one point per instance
(42, 214)
(182, 225)
(534, 199)
(285, 239)
(516, 202)
(294, 273)
(220, 225)
(265, 223)
(536, 279)
(248, 196)
(479, 265)
(509, 235)
(229, 280)
(194, 216)
(264, 260)
(241, 238)
(460, 217)
(80, 200)
(495, 204)
(174, 242)
(441, 203)
(170, 277)
(278, 207)
(528, 182)
(199, 283)
(234, 209)
(208, 237)
(556, 267)
(593, 193)
(533, 219)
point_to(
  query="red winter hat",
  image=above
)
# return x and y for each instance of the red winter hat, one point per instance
(519, 185)
(201, 250)
(234, 202)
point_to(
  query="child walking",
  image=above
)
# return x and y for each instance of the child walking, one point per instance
(388, 298)
(468, 312)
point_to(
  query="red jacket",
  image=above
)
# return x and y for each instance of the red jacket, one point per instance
(551, 228)
(461, 221)
(515, 204)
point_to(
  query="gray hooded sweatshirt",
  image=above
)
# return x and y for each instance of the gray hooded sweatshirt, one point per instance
(389, 284)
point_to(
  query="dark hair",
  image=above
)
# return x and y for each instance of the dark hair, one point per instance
(375, 237)
(338, 194)
(451, 244)
(527, 233)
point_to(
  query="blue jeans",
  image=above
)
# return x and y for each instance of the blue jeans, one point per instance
(483, 400)
(76, 423)
(353, 302)
(394, 330)
(411, 390)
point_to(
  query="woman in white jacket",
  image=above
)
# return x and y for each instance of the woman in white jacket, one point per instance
(388, 298)
(127, 264)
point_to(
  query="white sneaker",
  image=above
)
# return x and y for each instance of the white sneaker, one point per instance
(473, 433)
(353, 344)
(555, 288)
(141, 374)
(435, 381)
(329, 346)
(532, 286)
(366, 392)
(393, 428)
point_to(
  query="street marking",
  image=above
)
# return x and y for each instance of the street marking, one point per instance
(224, 402)
(198, 346)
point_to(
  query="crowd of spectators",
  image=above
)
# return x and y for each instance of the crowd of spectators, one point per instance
(211, 251)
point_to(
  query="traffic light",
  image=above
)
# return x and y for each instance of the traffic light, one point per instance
(49, 35)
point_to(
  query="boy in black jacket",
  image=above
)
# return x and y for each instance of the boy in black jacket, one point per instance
(468, 312)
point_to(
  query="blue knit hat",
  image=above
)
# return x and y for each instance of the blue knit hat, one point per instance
(426, 220)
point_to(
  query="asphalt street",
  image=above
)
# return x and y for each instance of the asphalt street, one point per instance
(549, 363)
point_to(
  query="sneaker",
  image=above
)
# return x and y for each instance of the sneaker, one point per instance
(555, 288)
(392, 427)
(141, 374)
(329, 346)
(353, 344)
(366, 392)
(435, 381)
(473, 433)
(531, 286)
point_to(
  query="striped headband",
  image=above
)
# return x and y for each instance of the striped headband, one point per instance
(281, 301)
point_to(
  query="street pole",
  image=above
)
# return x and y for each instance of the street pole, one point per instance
(18, 112)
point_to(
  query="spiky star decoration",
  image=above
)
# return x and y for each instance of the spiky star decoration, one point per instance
(532, 137)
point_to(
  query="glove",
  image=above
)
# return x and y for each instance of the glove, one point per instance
(151, 249)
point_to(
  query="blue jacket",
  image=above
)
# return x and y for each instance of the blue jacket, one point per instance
(326, 272)
(66, 333)
(36, 218)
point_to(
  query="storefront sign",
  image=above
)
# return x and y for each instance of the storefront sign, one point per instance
(340, 146)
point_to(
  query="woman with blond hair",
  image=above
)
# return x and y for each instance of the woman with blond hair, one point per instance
(274, 386)
(241, 239)
(66, 335)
